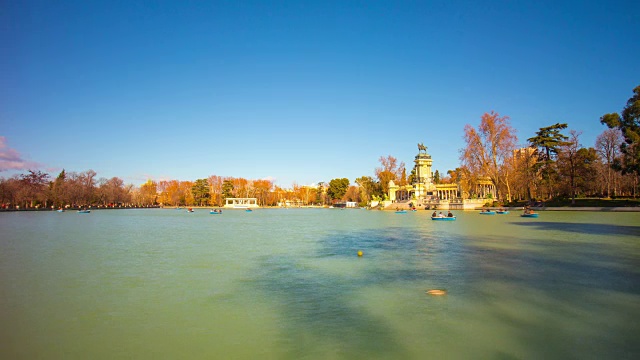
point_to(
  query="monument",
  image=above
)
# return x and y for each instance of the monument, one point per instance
(422, 192)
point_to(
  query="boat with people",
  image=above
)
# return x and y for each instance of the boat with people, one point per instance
(401, 211)
(530, 215)
(502, 212)
(487, 212)
(84, 211)
(215, 212)
(446, 218)
(442, 217)
(248, 210)
(190, 210)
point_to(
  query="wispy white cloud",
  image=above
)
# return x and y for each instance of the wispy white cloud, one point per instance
(10, 159)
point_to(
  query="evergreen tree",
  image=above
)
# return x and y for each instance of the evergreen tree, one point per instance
(320, 193)
(547, 142)
(201, 191)
(412, 176)
(227, 189)
(629, 124)
(337, 188)
(58, 189)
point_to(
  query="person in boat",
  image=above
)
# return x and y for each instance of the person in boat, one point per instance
(434, 214)
(449, 214)
(440, 215)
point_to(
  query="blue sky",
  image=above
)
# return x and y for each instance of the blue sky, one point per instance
(302, 91)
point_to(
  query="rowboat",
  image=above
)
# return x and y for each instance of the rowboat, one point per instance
(487, 213)
(84, 211)
(502, 212)
(534, 215)
(401, 212)
(215, 212)
(248, 210)
(453, 218)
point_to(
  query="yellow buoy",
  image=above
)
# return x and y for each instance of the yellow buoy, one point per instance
(437, 292)
(360, 253)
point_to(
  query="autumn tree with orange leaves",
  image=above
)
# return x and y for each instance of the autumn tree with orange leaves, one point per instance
(390, 170)
(489, 149)
(262, 190)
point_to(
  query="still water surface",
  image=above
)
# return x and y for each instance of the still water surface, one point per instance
(288, 284)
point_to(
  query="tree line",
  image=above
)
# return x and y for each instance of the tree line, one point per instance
(551, 164)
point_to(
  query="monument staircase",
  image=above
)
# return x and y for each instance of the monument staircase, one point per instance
(401, 205)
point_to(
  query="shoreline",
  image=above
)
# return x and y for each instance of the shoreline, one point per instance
(74, 208)
(517, 208)
(558, 208)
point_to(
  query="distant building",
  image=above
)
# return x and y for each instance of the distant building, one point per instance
(241, 203)
(524, 154)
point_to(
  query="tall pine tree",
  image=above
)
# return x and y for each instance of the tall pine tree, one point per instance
(547, 142)
(629, 124)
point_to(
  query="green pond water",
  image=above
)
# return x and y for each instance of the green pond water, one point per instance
(288, 284)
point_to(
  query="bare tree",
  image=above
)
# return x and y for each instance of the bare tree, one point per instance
(608, 147)
(489, 148)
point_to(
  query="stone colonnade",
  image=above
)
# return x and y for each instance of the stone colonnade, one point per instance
(484, 189)
(447, 194)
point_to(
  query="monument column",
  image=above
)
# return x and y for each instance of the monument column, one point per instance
(424, 177)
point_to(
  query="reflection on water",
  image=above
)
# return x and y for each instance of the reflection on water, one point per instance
(288, 284)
